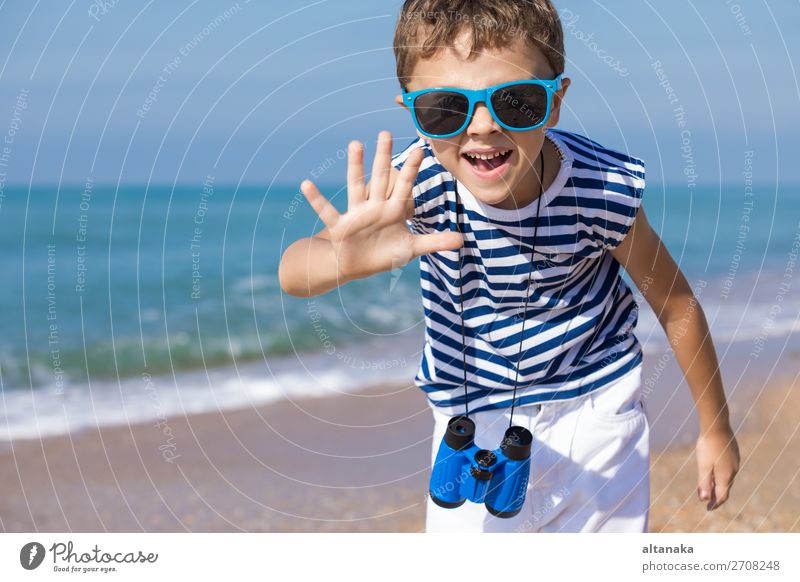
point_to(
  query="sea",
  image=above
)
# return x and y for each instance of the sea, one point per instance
(133, 303)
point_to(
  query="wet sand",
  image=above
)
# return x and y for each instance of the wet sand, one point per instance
(349, 462)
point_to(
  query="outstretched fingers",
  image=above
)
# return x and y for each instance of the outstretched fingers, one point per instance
(325, 210)
(404, 183)
(380, 167)
(356, 189)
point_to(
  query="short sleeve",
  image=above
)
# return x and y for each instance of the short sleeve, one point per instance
(623, 187)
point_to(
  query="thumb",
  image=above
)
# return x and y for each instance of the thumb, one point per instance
(705, 485)
(425, 244)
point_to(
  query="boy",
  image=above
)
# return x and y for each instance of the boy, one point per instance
(522, 231)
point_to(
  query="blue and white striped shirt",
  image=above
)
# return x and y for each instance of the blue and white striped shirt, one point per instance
(581, 314)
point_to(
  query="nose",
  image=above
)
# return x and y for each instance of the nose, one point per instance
(482, 122)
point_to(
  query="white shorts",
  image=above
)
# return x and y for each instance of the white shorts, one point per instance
(590, 463)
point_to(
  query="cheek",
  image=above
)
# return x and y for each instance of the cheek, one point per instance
(529, 146)
(446, 152)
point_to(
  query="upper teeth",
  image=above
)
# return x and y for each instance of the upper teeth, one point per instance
(487, 156)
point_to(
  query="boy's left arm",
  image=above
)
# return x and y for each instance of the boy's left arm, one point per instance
(663, 285)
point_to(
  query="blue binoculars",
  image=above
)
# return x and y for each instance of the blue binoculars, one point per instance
(496, 478)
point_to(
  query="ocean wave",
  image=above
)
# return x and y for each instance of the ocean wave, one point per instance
(57, 409)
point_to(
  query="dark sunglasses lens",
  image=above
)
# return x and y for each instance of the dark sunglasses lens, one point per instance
(520, 105)
(441, 112)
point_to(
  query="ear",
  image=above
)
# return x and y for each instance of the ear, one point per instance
(555, 107)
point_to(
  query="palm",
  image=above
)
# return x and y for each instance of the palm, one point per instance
(372, 237)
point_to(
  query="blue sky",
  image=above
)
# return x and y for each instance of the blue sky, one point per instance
(275, 89)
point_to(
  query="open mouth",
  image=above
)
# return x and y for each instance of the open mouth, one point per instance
(489, 165)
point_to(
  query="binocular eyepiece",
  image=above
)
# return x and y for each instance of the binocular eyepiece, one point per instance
(497, 478)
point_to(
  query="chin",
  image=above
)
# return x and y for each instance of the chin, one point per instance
(488, 191)
(493, 194)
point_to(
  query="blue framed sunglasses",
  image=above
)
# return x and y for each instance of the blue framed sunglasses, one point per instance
(517, 106)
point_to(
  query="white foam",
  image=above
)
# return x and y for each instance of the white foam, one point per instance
(46, 411)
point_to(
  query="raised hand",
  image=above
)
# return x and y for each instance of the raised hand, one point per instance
(372, 237)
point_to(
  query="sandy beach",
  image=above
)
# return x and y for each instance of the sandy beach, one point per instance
(349, 462)
(766, 492)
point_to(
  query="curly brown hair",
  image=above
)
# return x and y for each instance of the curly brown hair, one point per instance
(426, 26)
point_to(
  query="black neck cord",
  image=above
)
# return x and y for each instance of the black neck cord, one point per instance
(527, 294)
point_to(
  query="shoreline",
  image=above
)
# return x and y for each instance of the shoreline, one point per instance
(347, 462)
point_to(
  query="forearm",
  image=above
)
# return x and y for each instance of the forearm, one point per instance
(309, 267)
(687, 331)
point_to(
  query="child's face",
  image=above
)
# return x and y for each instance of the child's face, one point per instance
(511, 184)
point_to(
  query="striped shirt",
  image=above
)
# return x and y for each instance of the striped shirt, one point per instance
(581, 314)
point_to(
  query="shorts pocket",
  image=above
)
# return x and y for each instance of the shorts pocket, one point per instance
(619, 402)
